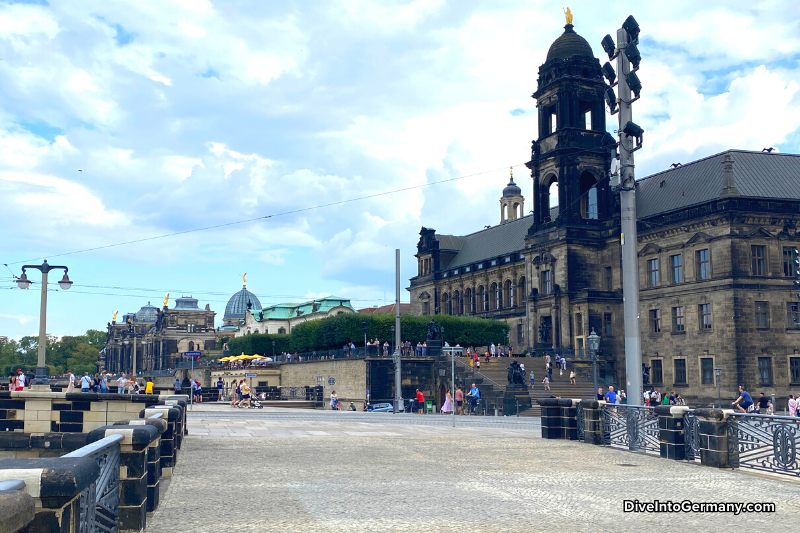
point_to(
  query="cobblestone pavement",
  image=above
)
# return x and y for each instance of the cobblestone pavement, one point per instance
(347, 475)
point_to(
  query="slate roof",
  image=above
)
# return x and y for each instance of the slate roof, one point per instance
(450, 242)
(285, 311)
(755, 174)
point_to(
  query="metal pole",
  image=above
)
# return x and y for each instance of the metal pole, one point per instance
(191, 384)
(398, 382)
(41, 369)
(134, 353)
(453, 384)
(594, 372)
(630, 265)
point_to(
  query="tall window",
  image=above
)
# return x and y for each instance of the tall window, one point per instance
(676, 265)
(680, 371)
(765, 371)
(655, 321)
(704, 313)
(762, 314)
(609, 279)
(792, 315)
(652, 272)
(591, 203)
(703, 264)
(757, 254)
(547, 282)
(707, 370)
(521, 294)
(656, 372)
(678, 323)
(494, 296)
(794, 370)
(426, 308)
(578, 324)
(789, 267)
(520, 334)
(607, 329)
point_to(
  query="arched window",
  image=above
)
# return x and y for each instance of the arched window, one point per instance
(588, 191)
(191, 346)
(549, 198)
(521, 291)
(445, 303)
(482, 299)
(469, 302)
(457, 303)
(282, 331)
(494, 297)
(508, 293)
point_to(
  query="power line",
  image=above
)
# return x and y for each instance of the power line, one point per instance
(273, 215)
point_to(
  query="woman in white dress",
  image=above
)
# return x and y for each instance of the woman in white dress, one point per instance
(447, 408)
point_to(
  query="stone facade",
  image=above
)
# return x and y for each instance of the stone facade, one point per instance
(281, 318)
(727, 223)
(160, 336)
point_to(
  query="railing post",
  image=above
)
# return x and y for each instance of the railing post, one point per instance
(592, 422)
(569, 421)
(551, 418)
(671, 431)
(713, 431)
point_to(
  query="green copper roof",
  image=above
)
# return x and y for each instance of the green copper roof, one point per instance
(286, 311)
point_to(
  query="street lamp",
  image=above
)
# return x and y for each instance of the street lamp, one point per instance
(23, 283)
(364, 326)
(717, 374)
(594, 344)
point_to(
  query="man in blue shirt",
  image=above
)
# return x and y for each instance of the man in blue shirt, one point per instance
(744, 400)
(611, 396)
(220, 386)
(474, 394)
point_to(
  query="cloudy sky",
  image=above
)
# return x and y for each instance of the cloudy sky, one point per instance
(125, 120)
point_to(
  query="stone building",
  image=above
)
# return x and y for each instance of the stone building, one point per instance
(161, 335)
(281, 318)
(716, 242)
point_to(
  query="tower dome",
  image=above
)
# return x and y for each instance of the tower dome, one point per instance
(512, 189)
(238, 305)
(569, 45)
(147, 313)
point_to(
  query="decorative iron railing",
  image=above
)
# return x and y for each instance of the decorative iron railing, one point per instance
(764, 442)
(632, 427)
(691, 435)
(99, 504)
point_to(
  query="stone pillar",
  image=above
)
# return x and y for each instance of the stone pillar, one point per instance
(569, 418)
(713, 437)
(132, 472)
(55, 484)
(551, 418)
(153, 459)
(170, 437)
(592, 422)
(671, 431)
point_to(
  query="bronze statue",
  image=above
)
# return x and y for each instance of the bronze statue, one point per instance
(433, 330)
(515, 374)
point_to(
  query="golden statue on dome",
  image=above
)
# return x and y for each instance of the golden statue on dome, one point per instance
(166, 300)
(114, 318)
(244, 279)
(568, 14)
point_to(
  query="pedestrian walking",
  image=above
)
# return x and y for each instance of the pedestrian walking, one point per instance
(420, 401)
(234, 393)
(334, 401)
(220, 387)
(572, 377)
(792, 406)
(532, 379)
(546, 382)
(763, 404)
(71, 383)
(460, 400)
(176, 386)
(245, 394)
(447, 408)
(549, 372)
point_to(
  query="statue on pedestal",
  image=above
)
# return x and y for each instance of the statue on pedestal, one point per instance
(516, 375)
(433, 330)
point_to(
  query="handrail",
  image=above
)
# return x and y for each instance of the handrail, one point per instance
(156, 415)
(759, 415)
(496, 385)
(95, 447)
(12, 484)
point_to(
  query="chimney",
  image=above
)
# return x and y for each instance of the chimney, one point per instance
(728, 185)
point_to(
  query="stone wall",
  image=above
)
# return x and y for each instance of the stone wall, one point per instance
(350, 378)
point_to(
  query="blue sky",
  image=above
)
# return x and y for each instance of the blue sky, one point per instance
(126, 120)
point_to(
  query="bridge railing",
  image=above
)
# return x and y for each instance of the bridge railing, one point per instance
(99, 503)
(767, 443)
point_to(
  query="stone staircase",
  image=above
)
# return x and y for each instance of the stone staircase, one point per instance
(495, 372)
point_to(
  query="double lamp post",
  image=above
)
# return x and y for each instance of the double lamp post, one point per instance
(23, 283)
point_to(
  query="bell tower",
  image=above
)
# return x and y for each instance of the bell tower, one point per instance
(573, 150)
(512, 204)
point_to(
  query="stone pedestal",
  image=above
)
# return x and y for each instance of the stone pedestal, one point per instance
(713, 437)
(592, 422)
(551, 418)
(671, 431)
(434, 348)
(515, 395)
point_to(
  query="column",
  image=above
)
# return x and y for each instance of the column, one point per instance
(671, 431)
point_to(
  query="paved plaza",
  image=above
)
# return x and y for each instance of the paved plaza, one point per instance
(294, 470)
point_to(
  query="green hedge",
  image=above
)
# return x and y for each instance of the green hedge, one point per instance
(259, 344)
(335, 331)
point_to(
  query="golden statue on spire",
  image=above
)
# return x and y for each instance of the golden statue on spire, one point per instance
(244, 279)
(568, 14)
(512, 173)
(114, 318)
(166, 300)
